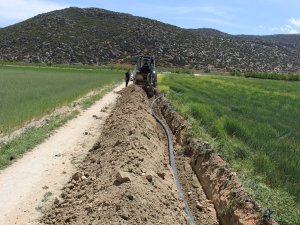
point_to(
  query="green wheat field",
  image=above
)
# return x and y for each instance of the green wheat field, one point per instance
(255, 126)
(30, 92)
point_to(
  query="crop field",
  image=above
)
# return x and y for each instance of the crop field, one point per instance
(30, 92)
(254, 124)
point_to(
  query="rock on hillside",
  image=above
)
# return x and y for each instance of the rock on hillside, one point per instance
(292, 40)
(97, 36)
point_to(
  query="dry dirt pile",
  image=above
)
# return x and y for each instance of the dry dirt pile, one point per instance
(125, 178)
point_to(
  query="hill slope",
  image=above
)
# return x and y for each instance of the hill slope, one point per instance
(292, 40)
(96, 36)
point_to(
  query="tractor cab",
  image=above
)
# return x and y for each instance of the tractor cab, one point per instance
(146, 64)
(145, 75)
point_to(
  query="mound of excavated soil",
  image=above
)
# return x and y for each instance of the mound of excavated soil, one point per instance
(125, 178)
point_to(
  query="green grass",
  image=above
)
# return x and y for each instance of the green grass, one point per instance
(254, 124)
(113, 67)
(15, 148)
(175, 70)
(31, 92)
(271, 76)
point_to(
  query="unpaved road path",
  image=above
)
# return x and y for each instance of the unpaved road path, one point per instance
(29, 184)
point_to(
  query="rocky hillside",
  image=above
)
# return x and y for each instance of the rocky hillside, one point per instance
(292, 40)
(96, 36)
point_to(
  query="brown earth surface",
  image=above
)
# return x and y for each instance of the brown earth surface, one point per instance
(125, 179)
(202, 208)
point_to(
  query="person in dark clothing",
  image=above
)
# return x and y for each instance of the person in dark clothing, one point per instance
(127, 77)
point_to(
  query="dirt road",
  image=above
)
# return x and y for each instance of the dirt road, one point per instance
(30, 183)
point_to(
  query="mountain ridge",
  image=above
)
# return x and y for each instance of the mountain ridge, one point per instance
(98, 36)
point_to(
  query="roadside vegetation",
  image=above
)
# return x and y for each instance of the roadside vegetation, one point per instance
(114, 67)
(271, 76)
(174, 70)
(254, 124)
(15, 148)
(30, 92)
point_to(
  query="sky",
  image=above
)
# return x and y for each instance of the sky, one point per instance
(255, 17)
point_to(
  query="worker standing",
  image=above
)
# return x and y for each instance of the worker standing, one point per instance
(127, 77)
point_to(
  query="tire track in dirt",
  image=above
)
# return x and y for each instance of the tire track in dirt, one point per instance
(46, 169)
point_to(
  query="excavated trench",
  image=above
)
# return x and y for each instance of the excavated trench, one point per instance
(234, 206)
(126, 177)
